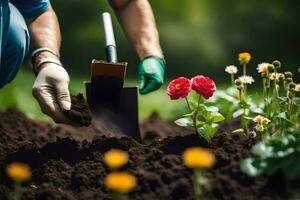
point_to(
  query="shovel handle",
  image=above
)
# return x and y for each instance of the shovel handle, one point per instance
(110, 43)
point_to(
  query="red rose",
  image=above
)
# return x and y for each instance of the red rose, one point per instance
(203, 86)
(179, 88)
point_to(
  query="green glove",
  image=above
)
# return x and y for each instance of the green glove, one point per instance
(151, 73)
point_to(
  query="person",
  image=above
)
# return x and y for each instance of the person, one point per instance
(31, 27)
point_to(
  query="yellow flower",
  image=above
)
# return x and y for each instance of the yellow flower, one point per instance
(197, 157)
(122, 182)
(259, 128)
(18, 172)
(258, 119)
(244, 58)
(115, 158)
(266, 120)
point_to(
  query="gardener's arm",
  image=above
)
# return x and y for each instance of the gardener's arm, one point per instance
(51, 85)
(137, 19)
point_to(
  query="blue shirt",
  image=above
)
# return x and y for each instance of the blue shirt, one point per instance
(22, 9)
(31, 8)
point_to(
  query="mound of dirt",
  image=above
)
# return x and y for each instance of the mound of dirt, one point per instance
(67, 163)
(80, 113)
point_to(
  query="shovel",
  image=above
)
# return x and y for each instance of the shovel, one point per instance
(113, 106)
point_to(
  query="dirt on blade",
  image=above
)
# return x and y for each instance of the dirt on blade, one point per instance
(80, 113)
(67, 162)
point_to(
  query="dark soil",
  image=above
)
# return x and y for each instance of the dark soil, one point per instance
(80, 113)
(67, 162)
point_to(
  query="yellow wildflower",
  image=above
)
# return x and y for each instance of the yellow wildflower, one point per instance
(259, 128)
(18, 172)
(258, 119)
(244, 58)
(115, 158)
(197, 157)
(122, 182)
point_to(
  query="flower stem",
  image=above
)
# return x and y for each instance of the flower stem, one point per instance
(245, 74)
(188, 104)
(232, 80)
(197, 184)
(116, 196)
(196, 115)
(18, 191)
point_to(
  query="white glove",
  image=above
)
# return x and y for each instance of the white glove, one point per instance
(51, 91)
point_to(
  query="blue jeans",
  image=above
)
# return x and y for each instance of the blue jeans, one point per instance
(14, 42)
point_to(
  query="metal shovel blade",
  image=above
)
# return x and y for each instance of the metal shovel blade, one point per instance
(112, 106)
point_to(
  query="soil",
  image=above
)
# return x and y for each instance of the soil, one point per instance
(67, 162)
(80, 113)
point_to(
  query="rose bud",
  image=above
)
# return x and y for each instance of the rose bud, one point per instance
(204, 86)
(179, 88)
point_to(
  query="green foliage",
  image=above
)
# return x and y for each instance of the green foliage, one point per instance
(203, 118)
(274, 155)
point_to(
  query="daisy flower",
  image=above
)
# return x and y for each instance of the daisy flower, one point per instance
(263, 67)
(246, 79)
(231, 69)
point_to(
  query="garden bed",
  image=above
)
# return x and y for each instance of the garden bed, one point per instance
(67, 162)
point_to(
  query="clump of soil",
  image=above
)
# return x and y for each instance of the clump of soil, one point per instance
(80, 113)
(67, 163)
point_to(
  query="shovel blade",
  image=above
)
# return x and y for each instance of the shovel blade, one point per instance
(113, 107)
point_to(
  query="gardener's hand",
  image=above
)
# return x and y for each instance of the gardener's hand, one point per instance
(151, 73)
(51, 91)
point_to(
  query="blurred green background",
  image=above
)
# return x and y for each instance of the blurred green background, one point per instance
(197, 36)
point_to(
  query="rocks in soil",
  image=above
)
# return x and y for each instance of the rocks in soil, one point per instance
(67, 163)
(80, 113)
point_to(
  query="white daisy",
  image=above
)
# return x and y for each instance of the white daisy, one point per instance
(231, 69)
(246, 79)
(263, 67)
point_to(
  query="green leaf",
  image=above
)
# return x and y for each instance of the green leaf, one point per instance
(207, 131)
(253, 167)
(217, 117)
(296, 101)
(185, 121)
(212, 109)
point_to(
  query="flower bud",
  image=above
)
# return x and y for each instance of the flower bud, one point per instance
(252, 134)
(281, 77)
(292, 85)
(271, 67)
(289, 80)
(238, 82)
(276, 64)
(288, 74)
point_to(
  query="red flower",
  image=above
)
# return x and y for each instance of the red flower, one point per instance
(203, 86)
(179, 88)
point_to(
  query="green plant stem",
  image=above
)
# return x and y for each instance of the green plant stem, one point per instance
(116, 196)
(197, 184)
(196, 115)
(244, 74)
(232, 80)
(188, 104)
(244, 124)
(18, 191)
